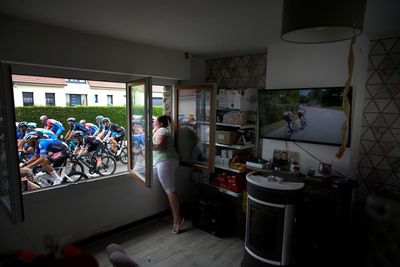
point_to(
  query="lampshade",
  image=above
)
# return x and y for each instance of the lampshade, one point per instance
(322, 21)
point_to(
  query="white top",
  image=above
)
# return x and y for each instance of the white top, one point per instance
(273, 182)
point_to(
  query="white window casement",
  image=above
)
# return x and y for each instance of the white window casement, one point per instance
(139, 164)
(110, 100)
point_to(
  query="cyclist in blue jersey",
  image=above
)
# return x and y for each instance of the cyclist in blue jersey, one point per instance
(49, 153)
(53, 125)
(113, 131)
(74, 126)
(47, 133)
(21, 130)
(100, 130)
(92, 128)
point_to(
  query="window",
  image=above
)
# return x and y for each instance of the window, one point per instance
(50, 99)
(76, 100)
(109, 100)
(157, 101)
(27, 98)
(75, 81)
(96, 98)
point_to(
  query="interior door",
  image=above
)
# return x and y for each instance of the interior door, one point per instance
(10, 183)
(195, 125)
(140, 164)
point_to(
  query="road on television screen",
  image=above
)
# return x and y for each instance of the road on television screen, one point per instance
(324, 125)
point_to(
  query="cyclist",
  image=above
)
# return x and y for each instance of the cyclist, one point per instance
(91, 127)
(31, 126)
(74, 126)
(43, 147)
(90, 144)
(53, 125)
(113, 131)
(300, 114)
(100, 130)
(21, 131)
(288, 117)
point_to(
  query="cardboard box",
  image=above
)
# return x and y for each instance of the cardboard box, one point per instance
(227, 137)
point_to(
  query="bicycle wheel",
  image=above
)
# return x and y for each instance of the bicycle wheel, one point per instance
(74, 176)
(287, 131)
(74, 166)
(123, 156)
(294, 126)
(108, 165)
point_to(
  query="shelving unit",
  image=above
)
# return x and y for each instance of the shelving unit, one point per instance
(229, 169)
(238, 147)
(219, 189)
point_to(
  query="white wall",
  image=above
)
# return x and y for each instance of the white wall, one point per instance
(319, 65)
(35, 43)
(76, 212)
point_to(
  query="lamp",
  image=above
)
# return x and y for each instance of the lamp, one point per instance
(322, 21)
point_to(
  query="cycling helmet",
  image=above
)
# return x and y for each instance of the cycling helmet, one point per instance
(99, 118)
(78, 133)
(43, 118)
(104, 120)
(31, 125)
(71, 120)
(82, 121)
(23, 124)
(33, 135)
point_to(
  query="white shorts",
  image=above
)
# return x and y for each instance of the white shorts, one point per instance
(165, 171)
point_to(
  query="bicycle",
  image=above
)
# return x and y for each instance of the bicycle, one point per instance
(45, 179)
(108, 164)
(121, 154)
(303, 122)
(287, 131)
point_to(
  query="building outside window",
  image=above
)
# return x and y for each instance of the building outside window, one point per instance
(27, 98)
(50, 99)
(109, 100)
(96, 98)
(75, 81)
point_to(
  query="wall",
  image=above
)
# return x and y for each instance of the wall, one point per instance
(35, 43)
(379, 165)
(75, 212)
(319, 65)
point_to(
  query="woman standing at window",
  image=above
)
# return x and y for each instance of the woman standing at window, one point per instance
(165, 162)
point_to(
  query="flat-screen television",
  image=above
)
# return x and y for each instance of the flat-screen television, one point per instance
(312, 115)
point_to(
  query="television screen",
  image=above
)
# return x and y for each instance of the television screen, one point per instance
(313, 115)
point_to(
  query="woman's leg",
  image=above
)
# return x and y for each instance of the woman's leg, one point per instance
(174, 203)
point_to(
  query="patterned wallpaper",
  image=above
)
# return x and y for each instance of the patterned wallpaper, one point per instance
(379, 165)
(238, 72)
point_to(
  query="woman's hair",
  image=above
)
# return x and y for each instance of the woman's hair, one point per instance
(164, 120)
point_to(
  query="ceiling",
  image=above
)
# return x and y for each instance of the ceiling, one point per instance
(206, 28)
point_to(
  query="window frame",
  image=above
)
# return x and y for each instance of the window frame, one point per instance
(8, 68)
(54, 99)
(23, 99)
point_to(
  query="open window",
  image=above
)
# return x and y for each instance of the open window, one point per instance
(140, 121)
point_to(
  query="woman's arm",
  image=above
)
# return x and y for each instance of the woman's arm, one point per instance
(161, 142)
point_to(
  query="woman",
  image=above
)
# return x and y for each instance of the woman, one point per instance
(165, 161)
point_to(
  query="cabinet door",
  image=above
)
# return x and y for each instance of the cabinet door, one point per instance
(195, 127)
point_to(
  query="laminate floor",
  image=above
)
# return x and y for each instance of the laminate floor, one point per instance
(152, 244)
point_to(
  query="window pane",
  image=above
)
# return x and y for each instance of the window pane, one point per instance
(27, 98)
(139, 96)
(75, 100)
(50, 99)
(109, 100)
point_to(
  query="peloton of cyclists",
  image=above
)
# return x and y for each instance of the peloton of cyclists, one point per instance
(90, 144)
(74, 126)
(53, 125)
(113, 131)
(91, 127)
(49, 153)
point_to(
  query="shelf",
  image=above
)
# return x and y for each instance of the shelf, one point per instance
(229, 169)
(245, 126)
(238, 147)
(220, 189)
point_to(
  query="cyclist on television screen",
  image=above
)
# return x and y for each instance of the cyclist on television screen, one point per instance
(288, 117)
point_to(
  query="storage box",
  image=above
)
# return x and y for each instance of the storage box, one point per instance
(227, 137)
